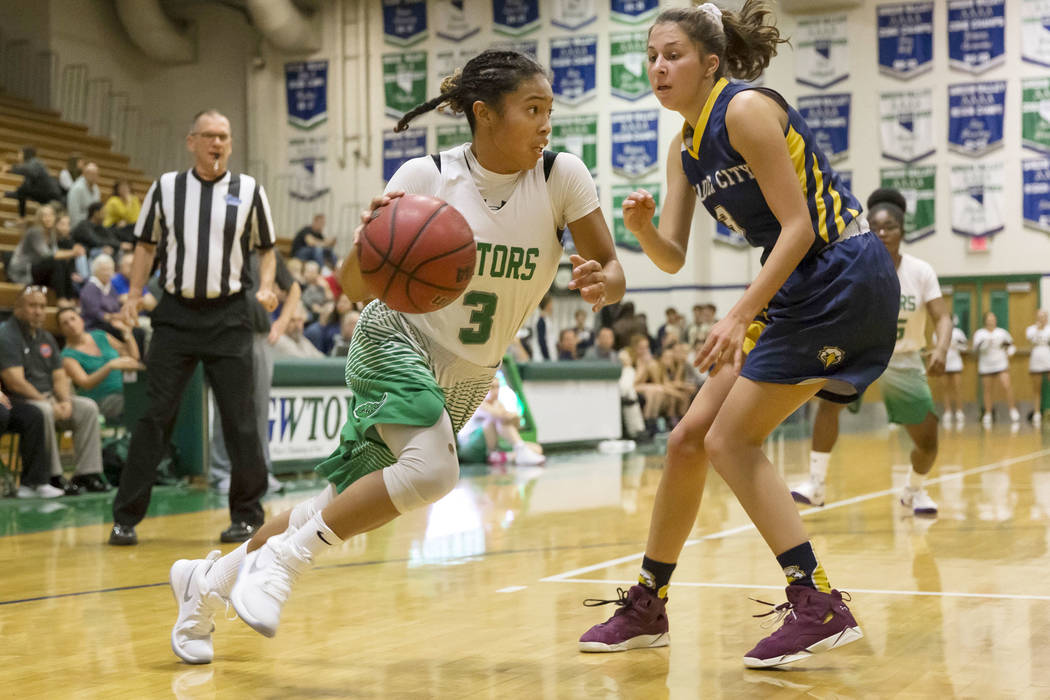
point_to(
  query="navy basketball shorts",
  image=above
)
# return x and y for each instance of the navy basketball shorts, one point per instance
(835, 319)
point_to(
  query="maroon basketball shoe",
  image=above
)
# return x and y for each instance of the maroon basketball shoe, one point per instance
(813, 622)
(640, 623)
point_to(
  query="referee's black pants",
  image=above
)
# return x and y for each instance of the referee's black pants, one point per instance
(219, 334)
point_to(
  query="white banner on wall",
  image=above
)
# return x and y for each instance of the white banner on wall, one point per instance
(1035, 31)
(305, 422)
(572, 14)
(906, 125)
(977, 199)
(457, 20)
(821, 51)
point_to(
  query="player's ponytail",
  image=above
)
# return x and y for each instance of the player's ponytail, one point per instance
(487, 78)
(889, 200)
(743, 41)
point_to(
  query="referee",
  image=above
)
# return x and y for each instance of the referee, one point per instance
(200, 225)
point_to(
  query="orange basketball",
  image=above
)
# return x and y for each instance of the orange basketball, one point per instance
(417, 254)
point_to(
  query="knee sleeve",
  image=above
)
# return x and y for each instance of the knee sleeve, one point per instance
(302, 513)
(427, 466)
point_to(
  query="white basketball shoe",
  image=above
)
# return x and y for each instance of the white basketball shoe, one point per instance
(191, 635)
(265, 582)
(810, 492)
(919, 501)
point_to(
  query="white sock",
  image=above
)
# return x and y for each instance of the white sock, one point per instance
(223, 573)
(916, 480)
(818, 465)
(315, 536)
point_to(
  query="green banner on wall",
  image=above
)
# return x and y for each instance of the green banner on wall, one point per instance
(627, 58)
(918, 185)
(577, 134)
(621, 236)
(404, 81)
(1035, 114)
(450, 136)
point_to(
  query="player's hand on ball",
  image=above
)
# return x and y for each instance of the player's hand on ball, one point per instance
(378, 201)
(638, 210)
(588, 276)
(267, 299)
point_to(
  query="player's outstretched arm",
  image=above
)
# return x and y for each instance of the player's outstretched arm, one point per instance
(596, 272)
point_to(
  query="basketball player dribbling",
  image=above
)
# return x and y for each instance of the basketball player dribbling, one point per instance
(417, 378)
(819, 318)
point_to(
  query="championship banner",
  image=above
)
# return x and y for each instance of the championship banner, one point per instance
(529, 47)
(404, 82)
(445, 63)
(627, 65)
(846, 178)
(452, 135)
(308, 166)
(397, 148)
(515, 17)
(456, 20)
(975, 117)
(976, 34)
(1035, 114)
(572, 14)
(404, 21)
(621, 236)
(634, 11)
(634, 142)
(1035, 31)
(577, 134)
(828, 117)
(821, 51)
(977, 199)
(905, 33)
(727, 236)
(573, 62)
(906, 125)
(306, 89)
(919, 187)
(1036, 197)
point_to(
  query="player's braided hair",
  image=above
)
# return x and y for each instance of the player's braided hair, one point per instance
(742, 40)
(487, 77)
(889, 200)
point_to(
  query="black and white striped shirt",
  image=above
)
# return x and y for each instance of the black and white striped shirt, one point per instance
(204, 231)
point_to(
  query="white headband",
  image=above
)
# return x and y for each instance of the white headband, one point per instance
(711, 9)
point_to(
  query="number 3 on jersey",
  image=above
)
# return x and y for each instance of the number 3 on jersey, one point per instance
(480, 317)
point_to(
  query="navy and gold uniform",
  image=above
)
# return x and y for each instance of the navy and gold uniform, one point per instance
(835, 317)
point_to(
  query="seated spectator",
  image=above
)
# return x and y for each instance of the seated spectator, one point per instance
(567, 344)
(295, 267)
(703, 321)
(121, 282)
(648, 381)
(310, 244)
(293, 343)
(27, 421)
(122, 211)
(37, 183)
(678, 388)
(627, 325)
(341, 342)
(494, 420)
(83, 192)
(95, 360)
(603, 347)
(323, 332)
(331, 278)
(38, 260)
(584, 335)
(317, 296)
(91, 234)
(671, 320)
(31, 369)
(64, 241)
(70, 173)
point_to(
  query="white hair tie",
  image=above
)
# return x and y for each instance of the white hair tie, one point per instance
(713, 11)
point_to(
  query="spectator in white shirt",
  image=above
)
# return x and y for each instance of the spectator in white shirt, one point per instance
(1038, 335)
(83, 192)
(994, 347)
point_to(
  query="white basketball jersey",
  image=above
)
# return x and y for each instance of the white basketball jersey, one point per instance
(919, 286)
(517, 256)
